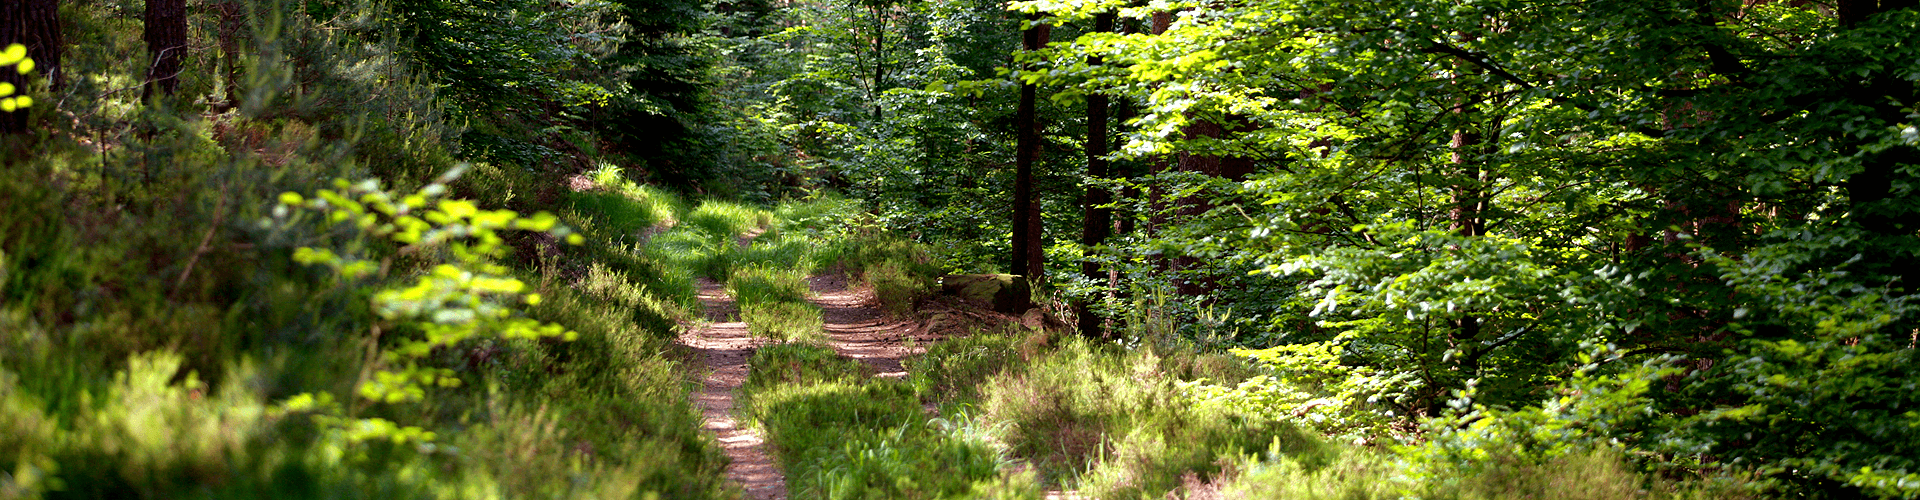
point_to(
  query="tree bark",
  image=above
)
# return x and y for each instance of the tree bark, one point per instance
(879, 58)
(1028, 250)
(166, 36)
(35, 24)
(1097, 219)
(231, 23)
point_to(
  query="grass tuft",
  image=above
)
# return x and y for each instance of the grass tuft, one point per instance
(784, 321)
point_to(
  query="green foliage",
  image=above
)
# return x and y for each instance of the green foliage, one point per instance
(953, 370)
(761, 284)
(800, 364)
(783, 321)
(841, 435)
(1307, 384)
(1465, 195)
(467, 297)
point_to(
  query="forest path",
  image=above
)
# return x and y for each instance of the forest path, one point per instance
(725, 346)
(858, 329)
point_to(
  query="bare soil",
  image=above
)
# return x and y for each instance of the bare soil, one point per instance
(855, 326)
(725, 346)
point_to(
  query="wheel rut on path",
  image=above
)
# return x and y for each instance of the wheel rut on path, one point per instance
(725, 346)
(857, 328)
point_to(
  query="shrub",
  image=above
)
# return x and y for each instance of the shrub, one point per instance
(953, 370)
(897, 289)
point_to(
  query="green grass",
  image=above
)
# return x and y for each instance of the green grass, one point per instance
(840, 434)
(726, 221)
(639, 205)
(783, 321)
(799, 363)
(764, 284)
(954, 370)
(692, 252)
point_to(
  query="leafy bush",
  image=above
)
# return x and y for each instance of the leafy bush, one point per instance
(1308, 385)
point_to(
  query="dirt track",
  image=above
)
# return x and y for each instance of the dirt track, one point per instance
(724, 344)
(855, 327)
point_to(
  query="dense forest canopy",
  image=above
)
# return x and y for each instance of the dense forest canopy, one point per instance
(444, 248)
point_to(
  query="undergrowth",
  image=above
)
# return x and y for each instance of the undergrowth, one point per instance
(1147, 422)
(840, 434)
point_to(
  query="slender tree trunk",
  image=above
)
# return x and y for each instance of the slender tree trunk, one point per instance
(1028, 251)
(1157, 212)
(231, 22)
(35, 24)
(879, 59)
(1097, 219)
(1468, 198)
(166, 35)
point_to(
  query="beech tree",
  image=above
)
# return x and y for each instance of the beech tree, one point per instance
(1029, 258)
(1467, 193)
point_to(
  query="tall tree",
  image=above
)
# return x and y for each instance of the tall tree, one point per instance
(1028, 246)
(166, 36)
(1096, 223)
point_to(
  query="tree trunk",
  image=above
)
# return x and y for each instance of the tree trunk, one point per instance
(1468, 198)
(1157, 213)
(166, 37)
(1028, 256)
(879, 59)
(231, 22)
(35, 24)
(1097, 219)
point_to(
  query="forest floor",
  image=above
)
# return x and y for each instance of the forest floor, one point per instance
(855, 327)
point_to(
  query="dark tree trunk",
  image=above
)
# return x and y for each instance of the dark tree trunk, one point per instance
(166, 37)
(231, 22)
(1097, 219)
(35, 24)
(879, 58)
(1028, 256)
